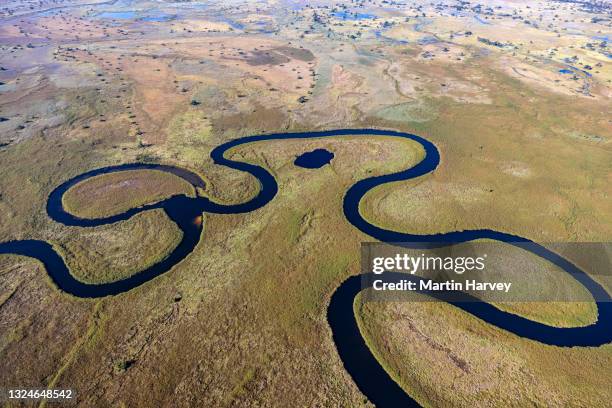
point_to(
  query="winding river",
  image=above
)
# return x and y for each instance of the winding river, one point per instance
(357, 358)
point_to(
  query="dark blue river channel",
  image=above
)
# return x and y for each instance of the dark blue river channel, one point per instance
(358, 360)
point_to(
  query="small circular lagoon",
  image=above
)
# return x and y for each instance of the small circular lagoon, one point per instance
(315, 159)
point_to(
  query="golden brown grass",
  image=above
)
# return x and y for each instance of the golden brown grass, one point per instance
(112, 252)
(444, 357)
(113, 193)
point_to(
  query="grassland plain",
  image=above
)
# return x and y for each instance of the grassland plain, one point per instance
(275, 333)
(241, 321)
(113, 252)
(247, 282)
(114, 193)
(508, 161)
(468, 361)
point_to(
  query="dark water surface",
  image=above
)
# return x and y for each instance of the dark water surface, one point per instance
(315, 159)
(358, 360)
